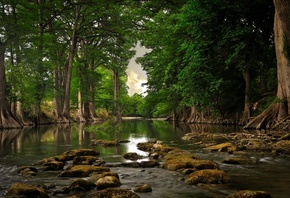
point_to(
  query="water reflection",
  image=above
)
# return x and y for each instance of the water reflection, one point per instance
(22, 147)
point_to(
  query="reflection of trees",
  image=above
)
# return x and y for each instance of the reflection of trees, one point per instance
(9, 138)
(207, 128)
(61, 134)
(84, 136)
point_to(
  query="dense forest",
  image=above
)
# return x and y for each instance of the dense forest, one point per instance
(210, 61)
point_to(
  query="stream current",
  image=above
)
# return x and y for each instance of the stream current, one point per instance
(25, 146)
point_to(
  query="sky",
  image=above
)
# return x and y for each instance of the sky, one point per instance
(136, 75)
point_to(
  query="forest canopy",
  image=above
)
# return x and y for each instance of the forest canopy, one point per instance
(209, 61)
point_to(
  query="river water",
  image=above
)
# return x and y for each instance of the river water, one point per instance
(25, 146)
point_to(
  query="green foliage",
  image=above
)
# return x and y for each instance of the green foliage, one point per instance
(109, 126)
(132, 105)
(200, 50)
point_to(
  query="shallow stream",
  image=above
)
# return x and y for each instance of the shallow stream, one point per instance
(23, 147)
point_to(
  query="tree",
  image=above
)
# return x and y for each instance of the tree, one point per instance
(280, 108)
(7, 119)
(225, 44)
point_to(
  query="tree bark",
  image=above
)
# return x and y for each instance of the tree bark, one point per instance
(7, 119)
(195, 116)
(280, 108)
(116, 96)
(247, 106)
(73, 49)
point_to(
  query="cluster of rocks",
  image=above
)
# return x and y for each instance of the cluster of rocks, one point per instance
(94, 176)
(84, 165)
(196, 170)
(269, 142)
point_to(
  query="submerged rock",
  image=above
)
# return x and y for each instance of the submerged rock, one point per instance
(130, 164)
(207, 176)
(81, 185)
(26, 190)
(82, 152)
(82, 171)
(114, 192)
(106, 142)
(239, 160)
(250, 194)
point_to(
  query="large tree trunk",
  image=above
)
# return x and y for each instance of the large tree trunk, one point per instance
(7, 119)
(92, 92)
(195, 116)
(92, 107)
(81, 114)
(116, 96)
(247, 106)
(280, 108)
(68, 76)
(58, 93)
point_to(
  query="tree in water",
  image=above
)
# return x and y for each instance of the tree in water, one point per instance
(279, 110)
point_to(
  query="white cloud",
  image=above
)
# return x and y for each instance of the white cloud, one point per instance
(135, 82)
(136, 75)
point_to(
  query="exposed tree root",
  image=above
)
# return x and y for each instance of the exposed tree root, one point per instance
(8, 121)
(265, 119)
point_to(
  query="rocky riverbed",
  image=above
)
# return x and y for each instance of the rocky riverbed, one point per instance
(82, 173)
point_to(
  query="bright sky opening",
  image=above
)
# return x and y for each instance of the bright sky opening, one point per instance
(136, 75)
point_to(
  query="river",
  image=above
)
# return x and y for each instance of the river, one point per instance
(28, 145)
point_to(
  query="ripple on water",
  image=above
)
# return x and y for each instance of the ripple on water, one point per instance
(8, 175)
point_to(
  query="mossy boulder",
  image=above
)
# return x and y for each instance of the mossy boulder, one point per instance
(223, 147)
(255, 144)
(145, 146)
(26, 190)
(180, 154)
(53, 165)
(107, 182)
(114, 192)
(84, 160)
(207, 176)
(250, 194)
(96, 176)
(81, 185)
(143, 188)
(27, 170)
(61, 158)
(132, 156)
(82, 171)
(186, 160)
